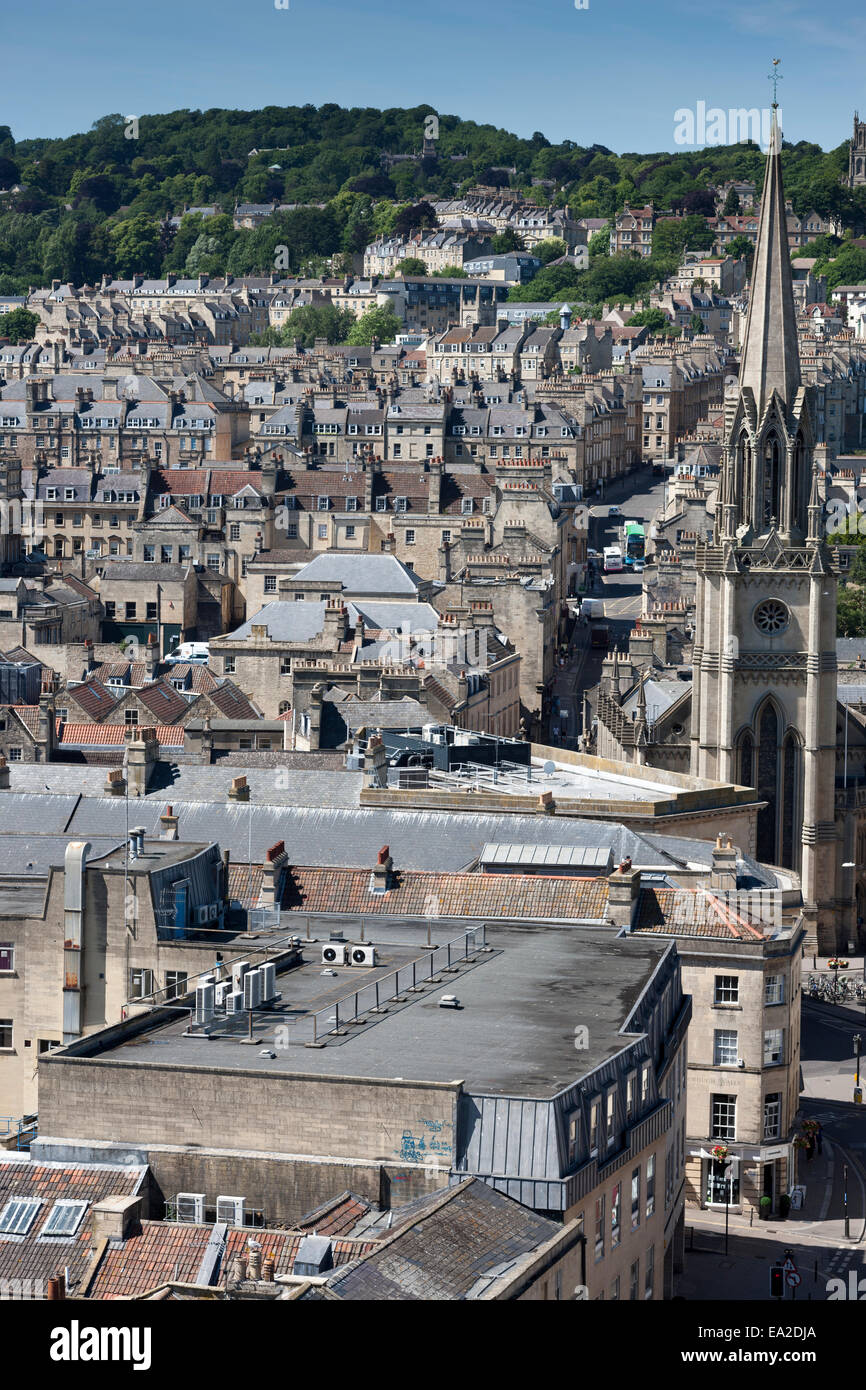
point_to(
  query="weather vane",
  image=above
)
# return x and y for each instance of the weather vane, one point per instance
(775, 77)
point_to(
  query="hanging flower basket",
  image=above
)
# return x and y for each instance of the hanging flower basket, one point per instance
(720, 1152)
(801, 1142)
(809, 1126)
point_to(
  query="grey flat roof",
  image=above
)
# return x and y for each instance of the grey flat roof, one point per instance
(513, 1034)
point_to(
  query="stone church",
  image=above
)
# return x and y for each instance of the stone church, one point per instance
(857, 154)
(763, 708)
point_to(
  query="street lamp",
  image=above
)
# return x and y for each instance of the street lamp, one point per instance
(856, 1041)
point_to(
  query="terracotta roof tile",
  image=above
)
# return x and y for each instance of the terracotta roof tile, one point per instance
(113, 735)
(458, 895)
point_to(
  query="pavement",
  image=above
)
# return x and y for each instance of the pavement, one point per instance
(823, 1248)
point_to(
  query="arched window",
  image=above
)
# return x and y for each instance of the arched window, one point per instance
(767, 782)
(798, 499)
(772, 474)
(746, 770)
(743, 480)
(790, 799)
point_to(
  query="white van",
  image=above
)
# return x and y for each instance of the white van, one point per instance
(190, 651)
(592, 608)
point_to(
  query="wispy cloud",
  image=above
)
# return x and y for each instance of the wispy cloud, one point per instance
(799, 22)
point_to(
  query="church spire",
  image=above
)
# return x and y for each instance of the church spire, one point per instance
(771, 358)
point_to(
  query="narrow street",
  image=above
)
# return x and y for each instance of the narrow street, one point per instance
(640, 496)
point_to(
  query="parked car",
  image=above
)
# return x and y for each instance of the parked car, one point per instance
(614, 511)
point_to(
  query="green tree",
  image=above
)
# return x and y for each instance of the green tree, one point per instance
(410, 265)
(451, 272)
(732, 203)
(599, 242)
(696, 324)
(742, 248)
(135, 243)
(851, 612)
(18, 325)
(550, 250)
(380, 323)
(311, 321)
(505, 241)
(655, 320)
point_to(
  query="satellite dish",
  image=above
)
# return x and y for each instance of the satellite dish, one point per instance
(549, 768)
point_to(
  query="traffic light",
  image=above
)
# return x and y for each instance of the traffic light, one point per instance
(777, 1282)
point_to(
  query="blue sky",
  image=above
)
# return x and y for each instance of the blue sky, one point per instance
(614, 73)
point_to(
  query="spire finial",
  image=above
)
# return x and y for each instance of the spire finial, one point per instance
(775, 77)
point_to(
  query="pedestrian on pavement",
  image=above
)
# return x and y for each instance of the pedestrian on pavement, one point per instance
(819, 1137)
(810, 1150)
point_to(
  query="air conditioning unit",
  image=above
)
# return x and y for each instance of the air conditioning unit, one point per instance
(199, 916)
(239, 969)
(230, 1210)
(362, 955)
(268, 972)
(234, 1002)
(222, 993)
(213, 911)
(334, 953)
(252, 989)
(204, 1004)
(190, 1206)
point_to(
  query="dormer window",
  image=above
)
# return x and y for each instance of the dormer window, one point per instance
(323, 504)
(351, 504)
(381, 504)
(466, 506)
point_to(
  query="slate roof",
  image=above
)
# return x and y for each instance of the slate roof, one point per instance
(360, 574)
(93, 697)
(454, 1249)
(34, 1256)
(232, 703)
(285, 622)
(196, 676)
(163, 701)
(337, 1217)
(454, 895)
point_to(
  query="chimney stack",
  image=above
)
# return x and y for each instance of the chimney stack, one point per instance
(381, 879)
(168, 822)
(239, 790)
(724, 871)
(623, 887)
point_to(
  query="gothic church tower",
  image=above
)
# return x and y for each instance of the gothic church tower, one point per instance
(764, 689)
